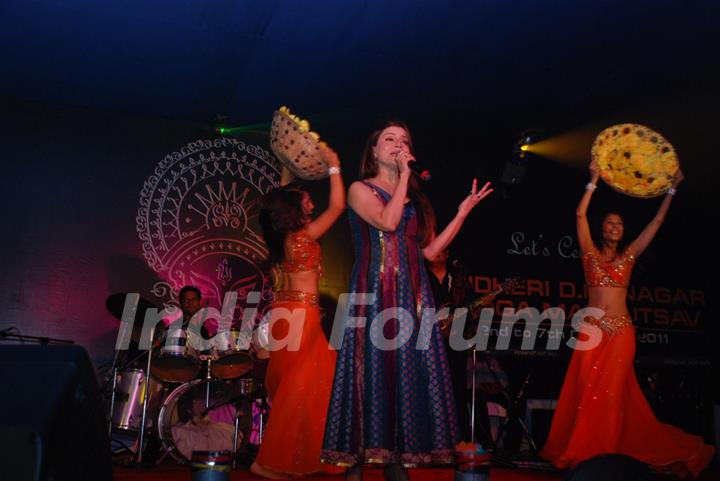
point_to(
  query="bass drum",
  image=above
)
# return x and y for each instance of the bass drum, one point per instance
(200, 415)
(129, 398)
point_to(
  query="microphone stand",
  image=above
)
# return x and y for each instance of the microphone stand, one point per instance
(472, 399)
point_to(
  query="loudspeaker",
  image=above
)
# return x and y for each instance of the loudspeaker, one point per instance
(52, 421)
(538, 418)
(679, 394)
(617, 467)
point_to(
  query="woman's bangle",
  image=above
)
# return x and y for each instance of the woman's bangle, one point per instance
(672, 191)
(590, 186)
(334, 170)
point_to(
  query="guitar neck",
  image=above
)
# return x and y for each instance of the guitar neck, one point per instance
(484, 299)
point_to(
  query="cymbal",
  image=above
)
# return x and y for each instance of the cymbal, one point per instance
(116, 303)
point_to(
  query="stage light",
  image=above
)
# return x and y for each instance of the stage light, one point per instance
(526, 139)
(234, 130)
(516, 166)
(571, 147)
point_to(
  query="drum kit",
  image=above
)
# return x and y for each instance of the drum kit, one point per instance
(188, 400)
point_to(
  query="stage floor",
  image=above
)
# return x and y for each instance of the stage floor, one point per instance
(169, 472)
(175, 472)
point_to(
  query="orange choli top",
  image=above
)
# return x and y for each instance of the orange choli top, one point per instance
(302, 253)
(615, 273)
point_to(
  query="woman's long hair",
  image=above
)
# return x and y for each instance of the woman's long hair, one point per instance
(369, 168)
(281, 212)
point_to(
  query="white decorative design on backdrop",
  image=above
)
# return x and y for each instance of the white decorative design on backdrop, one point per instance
(198, 219)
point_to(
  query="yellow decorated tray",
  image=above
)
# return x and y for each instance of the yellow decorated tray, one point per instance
(635, 160)
(296, 146)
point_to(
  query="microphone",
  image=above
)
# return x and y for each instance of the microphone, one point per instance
(416, 167)
(420, 170)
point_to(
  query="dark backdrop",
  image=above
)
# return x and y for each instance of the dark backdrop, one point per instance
(75, 180)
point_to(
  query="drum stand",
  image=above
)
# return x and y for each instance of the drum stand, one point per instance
(261, 410)
(113, 372)
(141, 437)
(513, 415)
(208, 378)
(513, 409)
(486, 434)
(137, 449)
(261, 427)
(238, 413)
(473, 397)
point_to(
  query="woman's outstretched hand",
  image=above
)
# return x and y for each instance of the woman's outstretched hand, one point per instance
(474, 197)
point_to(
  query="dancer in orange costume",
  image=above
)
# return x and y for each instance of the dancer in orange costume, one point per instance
(300, 372)
(601, 407)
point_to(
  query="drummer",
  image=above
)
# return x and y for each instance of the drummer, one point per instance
(191, 302)
(212, 429)
(196, 326)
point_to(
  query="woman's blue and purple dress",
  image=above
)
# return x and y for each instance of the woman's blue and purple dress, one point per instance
(390, 405)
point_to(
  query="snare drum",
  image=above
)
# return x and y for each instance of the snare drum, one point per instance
(129, 398)
(235, 359)
(176, 360)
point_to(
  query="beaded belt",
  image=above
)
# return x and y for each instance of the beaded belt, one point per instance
(299, 296)
(611, 325)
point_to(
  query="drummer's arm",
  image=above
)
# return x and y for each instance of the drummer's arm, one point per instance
(209, 328)
(639, 245)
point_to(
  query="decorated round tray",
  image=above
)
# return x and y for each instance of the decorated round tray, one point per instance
(296, 146)
(635, 160)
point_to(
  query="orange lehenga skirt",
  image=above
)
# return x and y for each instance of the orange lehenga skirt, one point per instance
(602, 410)
(298, 385)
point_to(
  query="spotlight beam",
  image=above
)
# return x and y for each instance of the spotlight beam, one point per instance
(572, 147)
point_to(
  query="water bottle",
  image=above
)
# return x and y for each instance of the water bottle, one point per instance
(472, 462)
